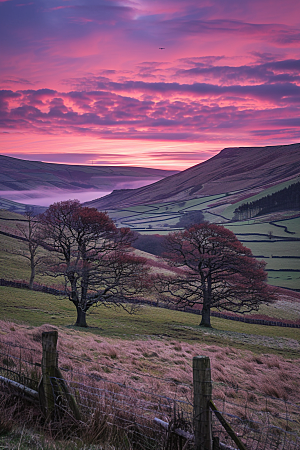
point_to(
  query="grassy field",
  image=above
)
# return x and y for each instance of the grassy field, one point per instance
(153, 342)
(253, 234)
(13, 266)
(36, 309)
(153, 353)
(160, 342)
(266, 237)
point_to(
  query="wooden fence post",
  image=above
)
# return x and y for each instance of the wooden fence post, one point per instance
(49, 365)
(52, 384)
(202, 397)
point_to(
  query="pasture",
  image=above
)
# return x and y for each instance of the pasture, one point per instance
(148, 323)
(274, 239)
(154, 342)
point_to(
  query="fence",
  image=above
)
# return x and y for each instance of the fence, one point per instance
(201, 415)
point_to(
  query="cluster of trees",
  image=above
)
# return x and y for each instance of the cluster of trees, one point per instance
(150, 243)
(189, 218)
(98, 264)
(287, 198)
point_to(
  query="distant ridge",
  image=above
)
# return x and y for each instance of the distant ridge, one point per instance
(21, 175)
(233, 169)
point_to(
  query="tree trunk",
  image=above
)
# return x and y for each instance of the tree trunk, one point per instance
(205, 321)
(81, 318)
(32, 273)
(206, 289)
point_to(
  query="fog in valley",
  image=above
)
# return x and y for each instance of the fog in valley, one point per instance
(47, 196)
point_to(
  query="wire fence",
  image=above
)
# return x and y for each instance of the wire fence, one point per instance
(20, 364)
(127, 407)
(131, 401)
(262, 422)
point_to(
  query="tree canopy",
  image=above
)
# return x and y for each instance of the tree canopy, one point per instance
(92, 255)
(217, 271)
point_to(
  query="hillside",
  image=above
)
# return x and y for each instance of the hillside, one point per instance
(250, 169)
(28, 177)
(214, 190)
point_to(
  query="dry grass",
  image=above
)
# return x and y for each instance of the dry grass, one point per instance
(156, 366)
(167, 360)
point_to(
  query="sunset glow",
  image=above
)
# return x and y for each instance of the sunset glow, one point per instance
(86, 81)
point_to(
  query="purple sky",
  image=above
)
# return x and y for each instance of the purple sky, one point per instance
(84, 81)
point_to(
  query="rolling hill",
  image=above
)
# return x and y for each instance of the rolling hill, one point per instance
(214, 190)
(22, 179)
(233, 170)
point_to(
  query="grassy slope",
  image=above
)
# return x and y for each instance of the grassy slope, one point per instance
(272, 248)
(136, 359)
(162, 218)
(18, 174)
(153, 342)
(232, 346)
(36, 308)
(228, 212)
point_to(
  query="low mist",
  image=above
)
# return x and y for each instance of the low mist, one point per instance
(46, 197)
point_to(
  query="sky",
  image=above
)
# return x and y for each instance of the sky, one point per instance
(152, 83)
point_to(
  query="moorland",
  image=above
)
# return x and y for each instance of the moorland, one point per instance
(161, 342)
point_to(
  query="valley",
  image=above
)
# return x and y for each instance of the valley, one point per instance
(39, 183)
(213, 189)
(274, 238)
(150, 353)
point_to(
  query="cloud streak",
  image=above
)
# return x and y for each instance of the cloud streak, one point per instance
(135, 109)
(230, 72)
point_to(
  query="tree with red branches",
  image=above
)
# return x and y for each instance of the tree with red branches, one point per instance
(217, 272)
(94, 257)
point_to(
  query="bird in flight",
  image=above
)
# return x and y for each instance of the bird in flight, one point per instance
(161, 48)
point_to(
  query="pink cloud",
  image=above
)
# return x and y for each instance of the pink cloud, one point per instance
(229, 72)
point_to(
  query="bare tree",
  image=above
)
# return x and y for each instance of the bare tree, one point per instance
(94, 257)
(30, 232)
(217, 271)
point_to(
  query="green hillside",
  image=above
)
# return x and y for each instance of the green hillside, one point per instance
(274, 238)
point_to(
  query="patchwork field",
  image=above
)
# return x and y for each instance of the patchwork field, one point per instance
(153, 349)
(275, 239)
